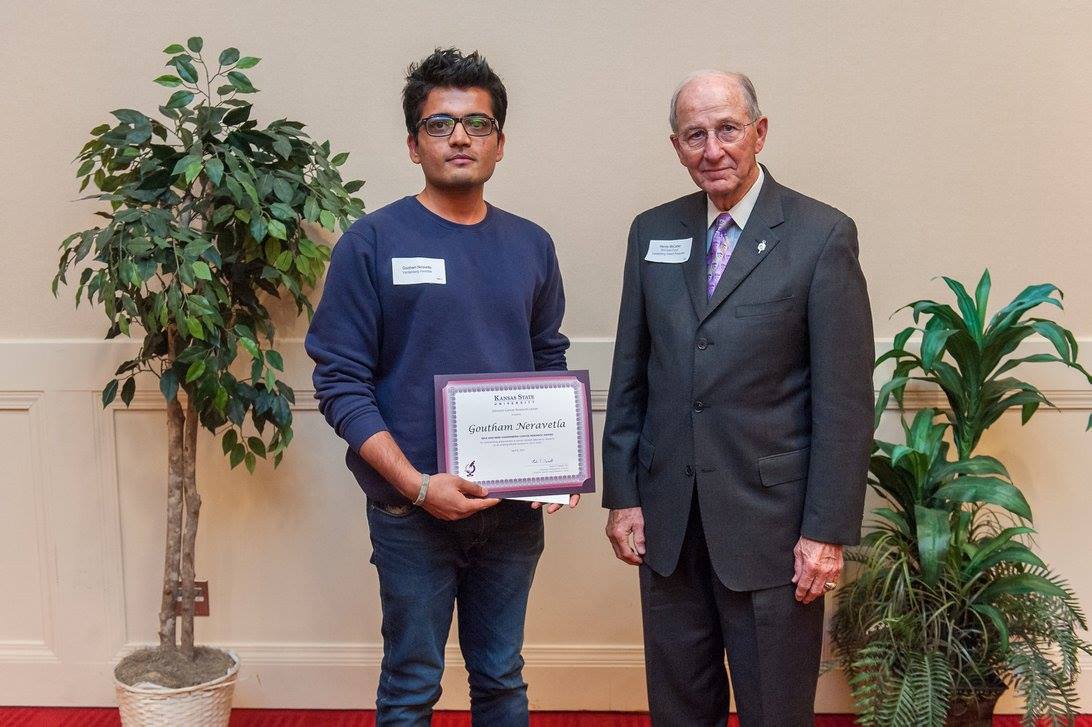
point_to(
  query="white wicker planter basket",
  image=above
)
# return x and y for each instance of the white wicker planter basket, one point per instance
(204, 705)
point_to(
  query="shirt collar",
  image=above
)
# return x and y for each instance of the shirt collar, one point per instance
(741, 212)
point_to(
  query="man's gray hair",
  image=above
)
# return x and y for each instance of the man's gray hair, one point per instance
(745, 85)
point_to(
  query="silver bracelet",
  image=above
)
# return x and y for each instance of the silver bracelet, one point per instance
(423, 491)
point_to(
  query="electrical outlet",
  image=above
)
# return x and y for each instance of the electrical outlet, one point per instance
(200, 599)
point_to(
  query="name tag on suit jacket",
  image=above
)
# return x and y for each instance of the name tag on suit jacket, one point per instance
(669, 251)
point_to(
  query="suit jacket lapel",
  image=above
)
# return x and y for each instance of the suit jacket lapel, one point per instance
(758, 233)
(694, 219)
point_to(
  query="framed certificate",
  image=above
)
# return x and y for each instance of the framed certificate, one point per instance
(518, 434)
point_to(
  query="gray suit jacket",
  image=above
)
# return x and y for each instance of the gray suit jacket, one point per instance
(760, 399)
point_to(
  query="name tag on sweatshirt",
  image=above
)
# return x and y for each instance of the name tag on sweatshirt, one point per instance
(669, 251)
(418, 270)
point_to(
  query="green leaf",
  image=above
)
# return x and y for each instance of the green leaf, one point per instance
(283, 189)
(277, 230)
(978, 465)
(240, 81)
(932, 343)
(966, 308)
(326, 218)
(201, 270)
(229, 439)
(173, 49)
(1055, 334)
(256, 445)
(214, 168)
(128, 390)
(222, 214)
(179, 99)
(982, 296)
(183, 162)
(192, 170)
(894, 386)
(282, 211)
(186, 71)
(986, 489)
(339, 159)
(237, 115)
(274, 359)
(195, 370)
(283, 147)
(168, 384)
(195, 44)
(1030, 297)
(272, 248)
(247, 62)
(229, 56)
(1019, 584)
(109, 393)
(238, 452)
(258, 228)
(998, 621)
(251, 462)
(933, 538)
(311, 209)
(252, 347)
(194, 327)
(169, 80)
(1015, 553)
(353, 186)
(283, 261)
(129, 116)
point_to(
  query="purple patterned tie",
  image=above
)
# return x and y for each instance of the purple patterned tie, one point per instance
(719, 252)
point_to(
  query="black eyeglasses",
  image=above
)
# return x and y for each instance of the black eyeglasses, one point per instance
(444, 125)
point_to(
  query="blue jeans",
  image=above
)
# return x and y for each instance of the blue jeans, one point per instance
(483, 564)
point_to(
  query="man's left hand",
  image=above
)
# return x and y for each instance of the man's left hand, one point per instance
(816, 565)
(574, 500)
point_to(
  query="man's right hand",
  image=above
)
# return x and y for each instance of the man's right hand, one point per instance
(450, 497)
(621, 525)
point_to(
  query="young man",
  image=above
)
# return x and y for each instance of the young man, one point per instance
(439, 283)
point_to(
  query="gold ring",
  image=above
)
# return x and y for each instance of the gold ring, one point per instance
(830, 585)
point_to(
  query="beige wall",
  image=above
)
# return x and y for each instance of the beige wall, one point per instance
(957, 137)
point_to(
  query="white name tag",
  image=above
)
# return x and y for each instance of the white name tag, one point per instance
(669, 251)
(418, 270)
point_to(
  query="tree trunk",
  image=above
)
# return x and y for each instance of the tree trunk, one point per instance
(189, 538)
(175, 426)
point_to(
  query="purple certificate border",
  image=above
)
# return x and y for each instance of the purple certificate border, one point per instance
(445, 420)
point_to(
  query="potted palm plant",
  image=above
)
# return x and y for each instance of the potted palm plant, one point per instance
(208, 217)
(950, 605)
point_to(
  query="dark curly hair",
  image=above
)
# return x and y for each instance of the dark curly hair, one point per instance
(450, 69)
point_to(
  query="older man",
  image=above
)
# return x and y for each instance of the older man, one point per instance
(739, 420)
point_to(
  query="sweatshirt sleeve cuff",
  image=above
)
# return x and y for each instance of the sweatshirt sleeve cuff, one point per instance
(361, 428)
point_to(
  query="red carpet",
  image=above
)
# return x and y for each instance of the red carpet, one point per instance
(65, 717)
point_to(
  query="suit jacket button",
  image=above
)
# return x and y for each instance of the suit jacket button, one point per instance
(699, 405)
(689, 471)
(702, 344)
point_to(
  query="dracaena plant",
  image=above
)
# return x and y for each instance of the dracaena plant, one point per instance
(949, 603)
(208, 216)
(967, 357)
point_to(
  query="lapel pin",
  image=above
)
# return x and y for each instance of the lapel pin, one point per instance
(762, 246)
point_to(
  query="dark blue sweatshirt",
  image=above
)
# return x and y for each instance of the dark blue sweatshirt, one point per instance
(377, 344)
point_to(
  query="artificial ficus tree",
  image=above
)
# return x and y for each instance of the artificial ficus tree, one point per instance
(208, 216)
